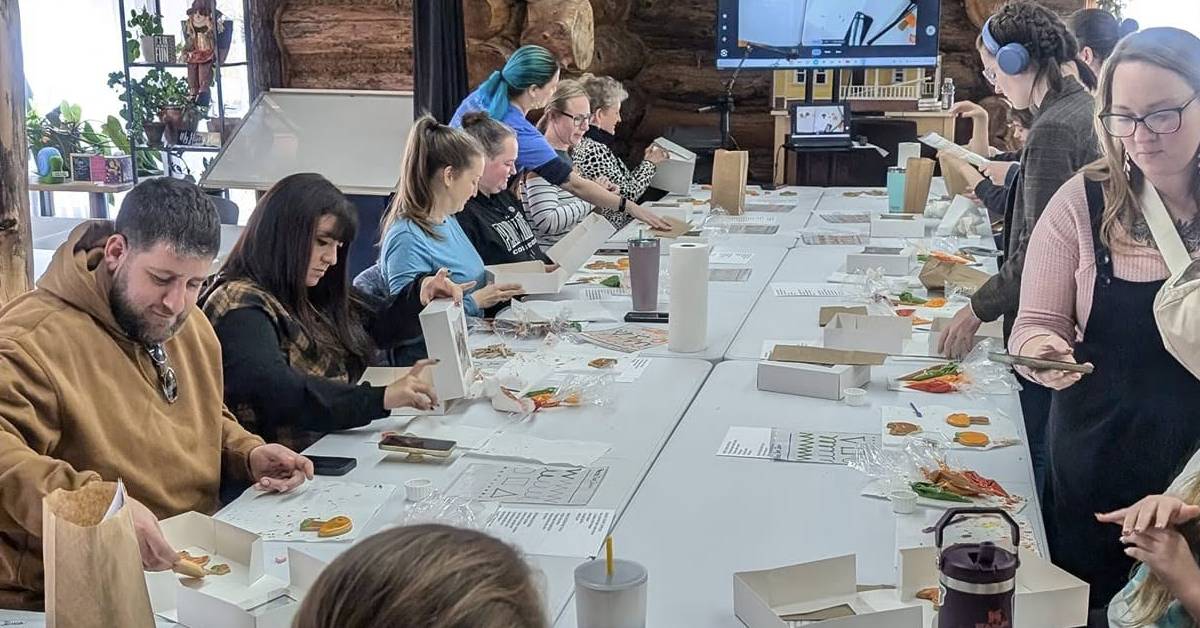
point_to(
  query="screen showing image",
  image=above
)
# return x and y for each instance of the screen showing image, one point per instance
(819, 120)
(827, 33)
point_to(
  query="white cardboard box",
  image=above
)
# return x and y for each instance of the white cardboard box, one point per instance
(762, 598)
(570, 253)
(894, 261)
(994, 329)
(675, 174)
(878, 334)
(1046, 596)
(222, 543)
(811, 380)
(275, 611)
(897, 226)
(444, 326)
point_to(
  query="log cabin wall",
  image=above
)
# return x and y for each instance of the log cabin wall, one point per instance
(663, 50)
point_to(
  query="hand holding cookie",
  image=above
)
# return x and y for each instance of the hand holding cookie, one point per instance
(157, 553)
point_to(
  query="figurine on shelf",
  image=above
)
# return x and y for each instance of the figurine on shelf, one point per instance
(200, 47)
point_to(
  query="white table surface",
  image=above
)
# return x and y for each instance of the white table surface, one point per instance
(729, 302)
(698, 518)
(636, 424)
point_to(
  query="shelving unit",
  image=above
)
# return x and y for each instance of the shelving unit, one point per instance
(168, 153)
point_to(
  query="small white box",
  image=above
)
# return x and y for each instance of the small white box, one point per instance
(223, 543)
(811, 380)
(276, 611)
(894, 261)
(675, 174)
(877, 334)
(897, 226)
(444, 326)
(570, 253)
(994, 329)
(813, 591)
(1046, 596)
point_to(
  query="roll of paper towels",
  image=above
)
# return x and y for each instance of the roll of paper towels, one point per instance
(907, 151)
(687, 328)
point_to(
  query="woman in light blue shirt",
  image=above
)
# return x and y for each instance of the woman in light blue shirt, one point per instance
(440, 172)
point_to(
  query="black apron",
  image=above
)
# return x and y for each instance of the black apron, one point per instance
(1118, 434)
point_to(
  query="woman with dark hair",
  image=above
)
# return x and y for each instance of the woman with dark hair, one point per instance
(1098, 32)
(1024, 48)
(294, 336)
(526, 82)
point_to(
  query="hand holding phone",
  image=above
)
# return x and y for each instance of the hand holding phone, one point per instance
(1049, 361)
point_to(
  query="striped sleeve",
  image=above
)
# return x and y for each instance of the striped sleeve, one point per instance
(552, 211)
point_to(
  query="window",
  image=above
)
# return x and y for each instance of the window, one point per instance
(822, 77)
(898, 75)
(799, 77)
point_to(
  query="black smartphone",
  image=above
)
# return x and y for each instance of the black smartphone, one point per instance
(646, 317)
(407, 443)
(1041, 364)
(332, 465)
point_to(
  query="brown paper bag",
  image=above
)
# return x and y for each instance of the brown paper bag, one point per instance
(678, 228)
(94, 575)
(917, 178)
(729, 180)
(935, 274)
(956, 184)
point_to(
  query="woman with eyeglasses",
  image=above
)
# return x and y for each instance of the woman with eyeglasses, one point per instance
(1093, 270)
(552, 210)
(1025, 49)
(527, 80)
(295, 337)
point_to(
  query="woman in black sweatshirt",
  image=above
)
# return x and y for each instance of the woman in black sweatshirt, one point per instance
(493, 219)
(295, 337)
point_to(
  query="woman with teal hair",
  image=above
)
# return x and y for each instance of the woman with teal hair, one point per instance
(526, 82)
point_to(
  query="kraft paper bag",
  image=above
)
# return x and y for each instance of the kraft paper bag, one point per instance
(730, 169)
(917, 178)
(935, 274)
(956, 184)
(94, 575)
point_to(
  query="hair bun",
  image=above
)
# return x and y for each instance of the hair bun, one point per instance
(475, 117)
(1128, 26)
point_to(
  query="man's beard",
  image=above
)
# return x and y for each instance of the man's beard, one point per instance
(137, 325)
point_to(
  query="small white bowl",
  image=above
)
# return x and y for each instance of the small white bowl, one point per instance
(904, 501)
(418, 489)
(855, 397)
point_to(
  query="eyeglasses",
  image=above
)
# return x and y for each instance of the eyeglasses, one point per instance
(166, 374)
(577, 120)
(1161, 122)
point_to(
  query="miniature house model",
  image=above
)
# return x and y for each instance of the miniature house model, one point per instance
(873, 89)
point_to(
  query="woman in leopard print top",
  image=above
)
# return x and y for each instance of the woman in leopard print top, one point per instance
(594, 158)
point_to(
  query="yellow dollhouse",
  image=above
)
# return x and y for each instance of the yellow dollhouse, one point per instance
(874, 89)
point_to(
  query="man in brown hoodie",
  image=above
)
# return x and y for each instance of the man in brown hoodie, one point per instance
(108, 370)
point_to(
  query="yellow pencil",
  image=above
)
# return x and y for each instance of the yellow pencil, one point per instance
(608, 559)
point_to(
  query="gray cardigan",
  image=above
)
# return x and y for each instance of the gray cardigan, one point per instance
(1061, 141)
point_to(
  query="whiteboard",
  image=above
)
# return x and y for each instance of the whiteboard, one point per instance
(353, 138)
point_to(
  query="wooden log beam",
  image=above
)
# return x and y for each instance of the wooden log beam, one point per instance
(619, 53)
(330, 44)
(484, 19)
(611, 11)
(485, 57)
(16, 242)
(565, 28)
(262, 48)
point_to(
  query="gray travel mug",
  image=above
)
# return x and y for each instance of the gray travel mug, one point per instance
(644, 256)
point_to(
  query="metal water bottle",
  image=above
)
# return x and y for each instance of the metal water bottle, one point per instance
(947, 93)
(978, 579)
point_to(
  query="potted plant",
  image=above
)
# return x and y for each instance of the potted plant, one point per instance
(150, 41)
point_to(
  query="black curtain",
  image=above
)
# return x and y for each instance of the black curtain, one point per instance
(439, 56)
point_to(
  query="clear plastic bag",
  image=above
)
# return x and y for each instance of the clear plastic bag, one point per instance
(455, 510)
(573, 390)
(985, 377)
(899, 468)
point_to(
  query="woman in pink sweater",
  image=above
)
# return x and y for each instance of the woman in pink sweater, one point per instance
(1091, 274)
